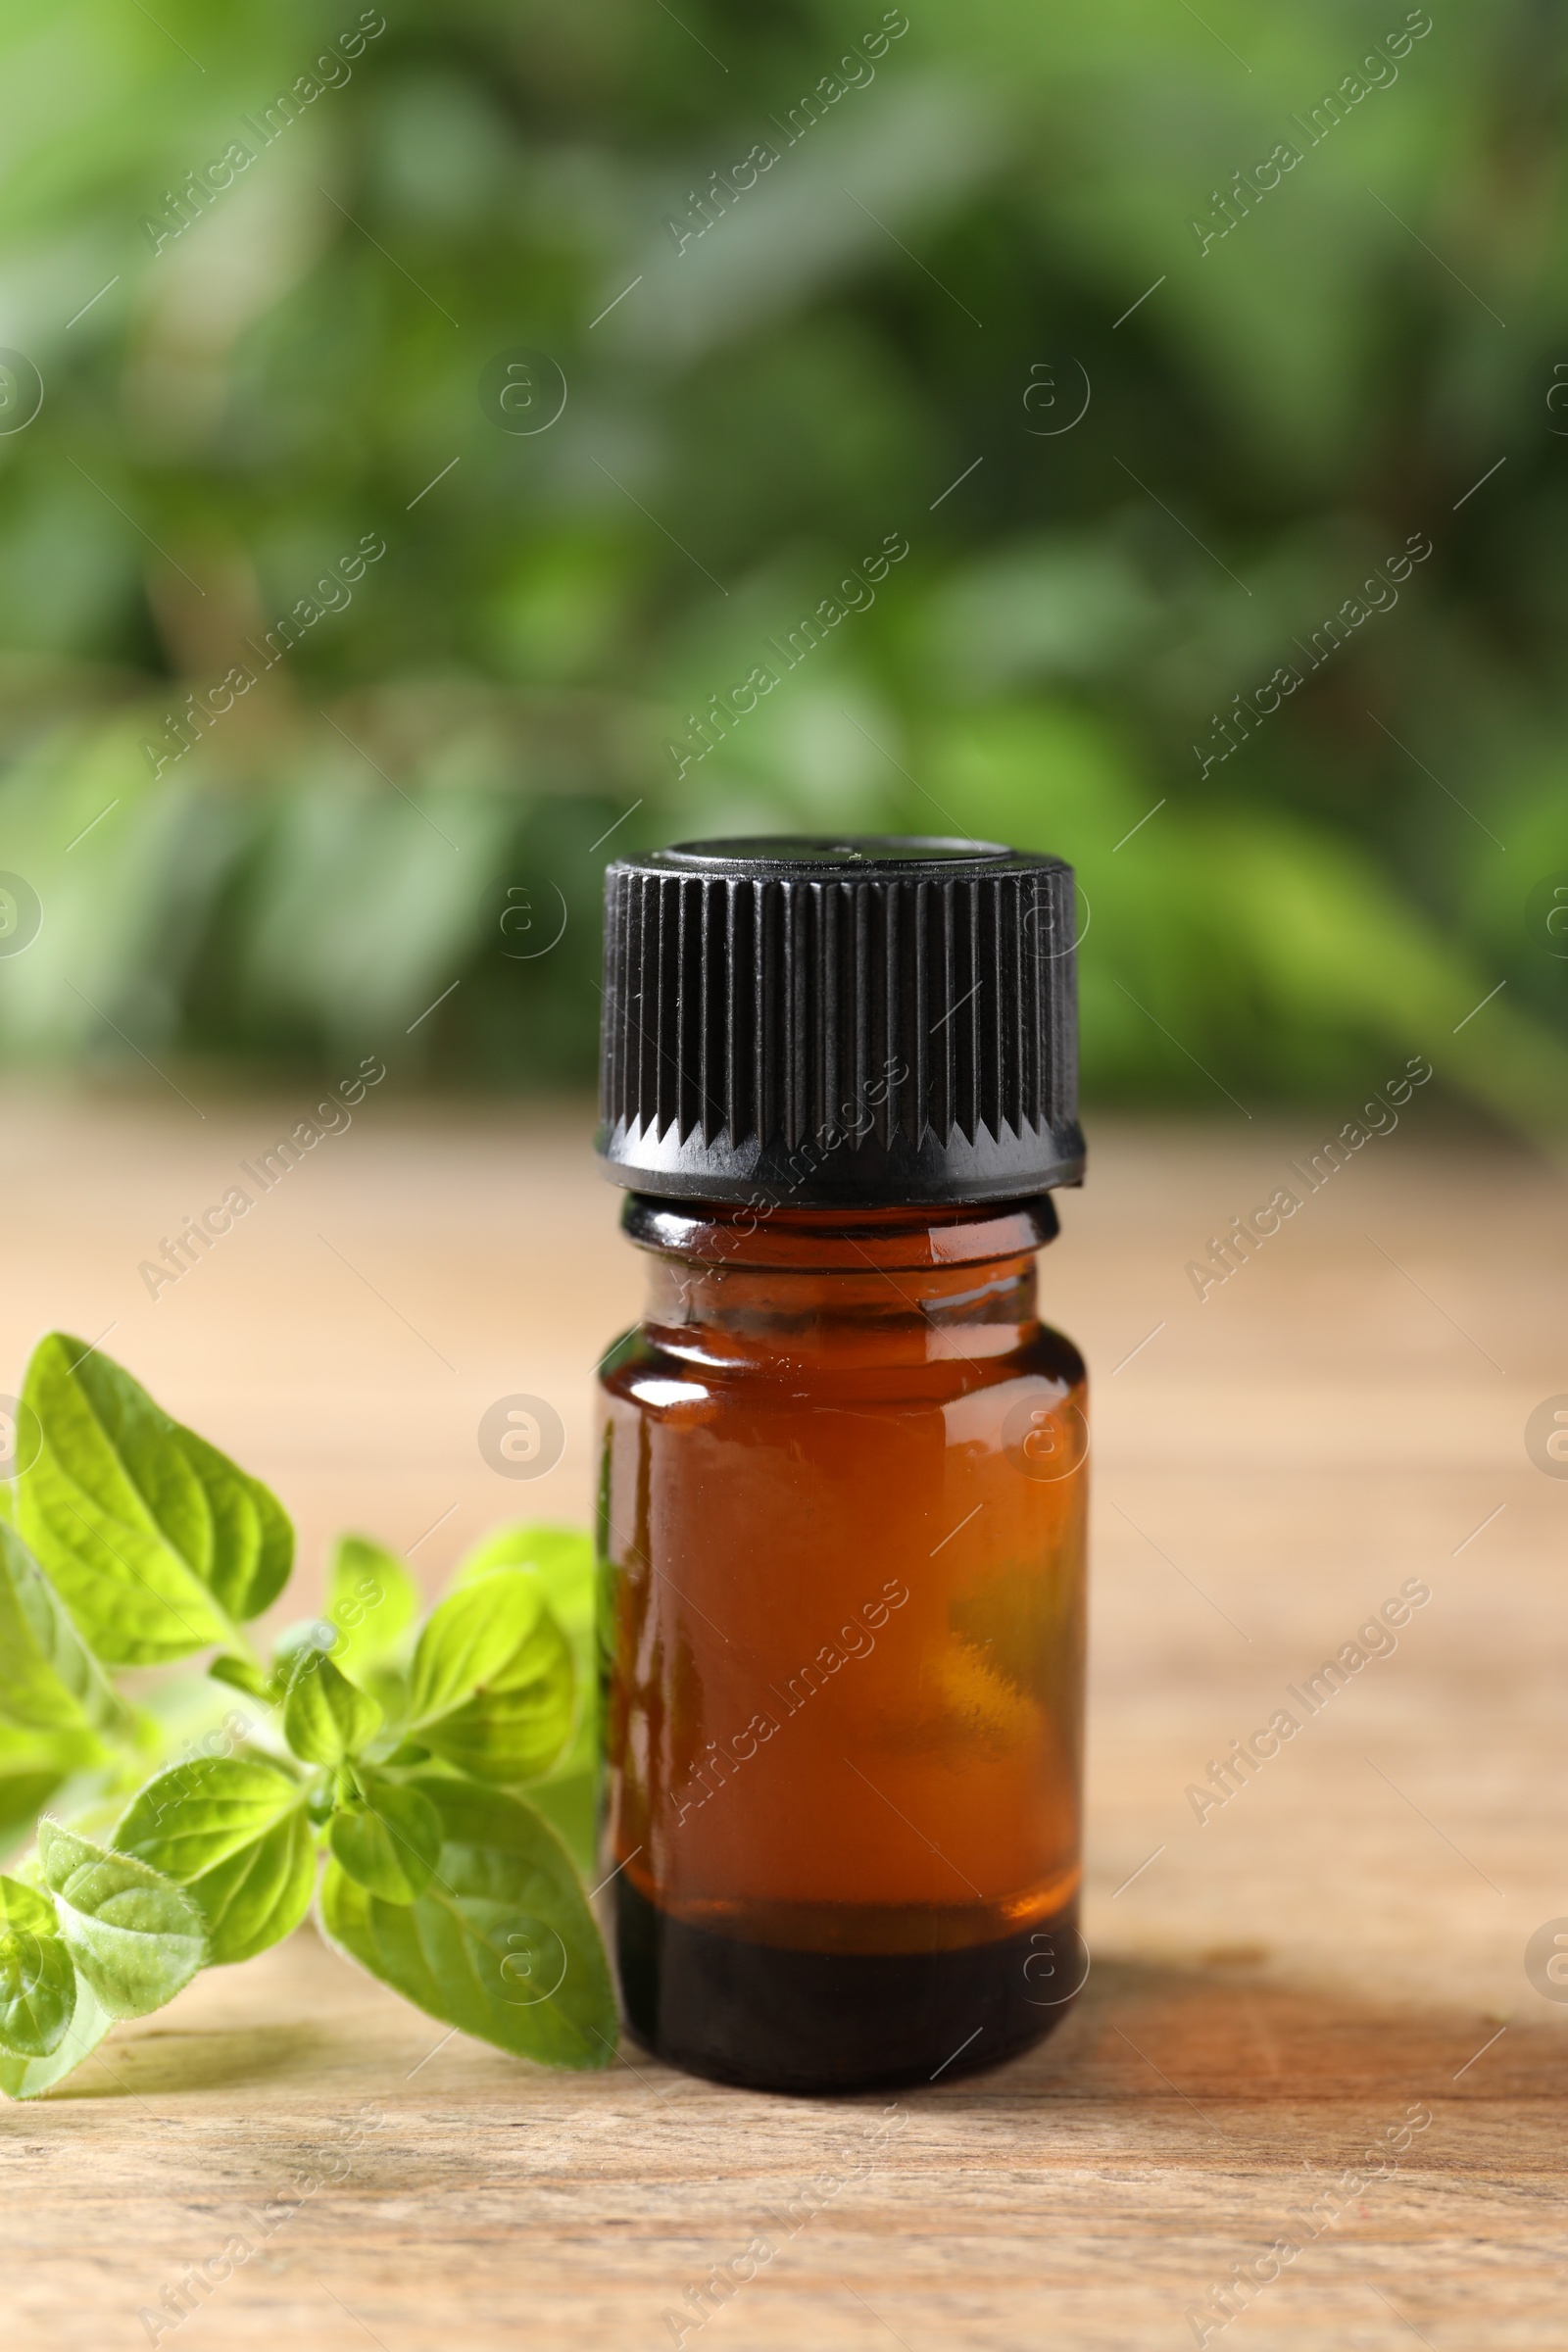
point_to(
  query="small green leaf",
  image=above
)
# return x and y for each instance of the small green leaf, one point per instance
(468, 1637)
(27, 2077)
(570, 1802)
(49, 1679)
(134, 1938)
(388, 1837)
(37, 1982)
(492, 1685)
(562, 1558)
(371, 1600)
(501, 1945)
(326, 1718)
(252, 1535)
(156, 1541)
(241, 1674)
(232, 1831)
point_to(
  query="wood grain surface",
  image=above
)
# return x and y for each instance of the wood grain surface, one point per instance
(1274, 1989)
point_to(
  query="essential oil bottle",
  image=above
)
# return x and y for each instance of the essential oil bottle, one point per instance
(843, 1473)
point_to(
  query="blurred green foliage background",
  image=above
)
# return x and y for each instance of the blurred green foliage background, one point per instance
(891, 332)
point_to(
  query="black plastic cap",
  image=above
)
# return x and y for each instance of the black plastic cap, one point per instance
(859, 1023)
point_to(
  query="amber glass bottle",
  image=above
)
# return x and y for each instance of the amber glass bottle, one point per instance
(843, 1464)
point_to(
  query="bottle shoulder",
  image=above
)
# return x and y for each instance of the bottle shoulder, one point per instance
(643, 1369)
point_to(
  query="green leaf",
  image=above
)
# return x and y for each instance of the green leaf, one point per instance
(252, 1535)
(232, 1831)
(492, 1685)
(562, 1558)
(156, 1541)
(133, 1935)
(326, 1718)
(37, 1980)
(388, 1839)
(570, 1802)
(27, 2077)
(49, 1679)
(501, 1945)
(371, 1600)
(241, 1674)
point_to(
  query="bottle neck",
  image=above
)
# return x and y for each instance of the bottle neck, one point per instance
(791, 1286)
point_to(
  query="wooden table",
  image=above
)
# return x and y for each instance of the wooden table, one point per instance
(1272, 1989)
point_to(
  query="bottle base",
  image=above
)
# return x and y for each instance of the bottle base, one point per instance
(768, 2019)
